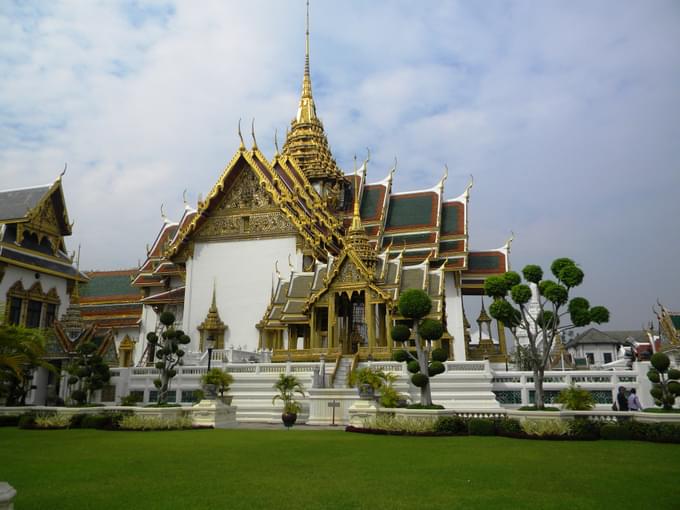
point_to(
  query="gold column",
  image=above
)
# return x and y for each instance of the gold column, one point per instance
(331, 321)
(388, 327)
(382, 336)
(312, 330)
(369, 321)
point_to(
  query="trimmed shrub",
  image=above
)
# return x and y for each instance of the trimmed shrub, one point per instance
(436, 368)
(450, 425)
(662, 432)
(77, 421)
(619, 431)
(401, 355)
(400, 424)
(421, 406)
(130, 400)
(508, 427)
(105, 421)
(27, 421)
(10, 420)
(439, 354)
(660, 361)
(481, 427)
(413, 366)
(587, 430)
(545, 427)
(419, 380)
(52, 421)
(133, 422)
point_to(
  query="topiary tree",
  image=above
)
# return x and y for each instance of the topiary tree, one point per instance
(88, 372)
(415, 304)
(666, 387)
(168, 353)
(541, 323)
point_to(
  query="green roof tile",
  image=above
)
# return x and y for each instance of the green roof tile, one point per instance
(410, 211)
(108, 285)
(451, 217)
(484, 262)
(371, 201)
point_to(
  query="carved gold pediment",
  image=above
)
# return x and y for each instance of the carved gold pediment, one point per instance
(246, 211)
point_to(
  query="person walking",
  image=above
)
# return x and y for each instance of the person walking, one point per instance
(634, 401)
(622, 399)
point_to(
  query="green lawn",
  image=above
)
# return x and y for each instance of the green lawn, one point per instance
(253, 469)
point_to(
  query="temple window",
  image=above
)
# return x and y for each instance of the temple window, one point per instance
(14, 310)
(33, 313)
(32, 308)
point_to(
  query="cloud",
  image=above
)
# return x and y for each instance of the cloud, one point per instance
(567, 115)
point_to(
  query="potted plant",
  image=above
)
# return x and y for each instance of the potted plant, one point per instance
(368, 381)
(215, 380)
(287, 386)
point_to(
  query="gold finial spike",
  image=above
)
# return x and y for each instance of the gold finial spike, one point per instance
(290, 264)
(276, 268)
(75, 296)
(508, 243)
(307, 82)
(184, 197)
(242, 147)
(276, 141)
(163, 216)
(252, 133)
(214, 300)
(63, 172)
(444, 177)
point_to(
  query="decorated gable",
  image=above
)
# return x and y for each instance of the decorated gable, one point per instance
(245, 209)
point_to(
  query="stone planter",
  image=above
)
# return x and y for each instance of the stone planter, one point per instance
(210, 391)
(289, 419)
(226, 400)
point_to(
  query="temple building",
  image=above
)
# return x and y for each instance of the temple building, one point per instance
(292, 258)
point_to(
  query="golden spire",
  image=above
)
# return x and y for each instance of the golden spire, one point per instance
(307, 109)
(356, 234)
(306, 142)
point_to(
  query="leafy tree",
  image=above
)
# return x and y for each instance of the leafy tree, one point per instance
(553, 314)
(666, 387)
(168, 353)
(415, 304)
(88, 372)
(21, 352)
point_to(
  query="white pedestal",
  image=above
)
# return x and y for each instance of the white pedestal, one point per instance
(7, 494)
(213, 413)
(361, 411)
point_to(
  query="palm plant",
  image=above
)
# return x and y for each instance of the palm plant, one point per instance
(287, 386)
(21, 351)
(221, 379)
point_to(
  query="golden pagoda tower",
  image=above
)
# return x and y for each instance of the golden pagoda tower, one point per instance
(306, 141)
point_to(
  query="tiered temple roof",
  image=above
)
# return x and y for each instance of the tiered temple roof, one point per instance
(33, 224)
(109, 300)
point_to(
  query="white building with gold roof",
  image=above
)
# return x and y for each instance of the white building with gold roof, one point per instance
(297, 258)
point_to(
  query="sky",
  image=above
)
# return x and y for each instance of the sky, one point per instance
(567, 114)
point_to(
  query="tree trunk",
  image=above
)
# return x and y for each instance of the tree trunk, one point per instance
(425, 392)
(538, 386)
(163, 390)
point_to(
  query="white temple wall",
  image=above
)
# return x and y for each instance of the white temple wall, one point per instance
(454, 315)
(146, 325)
(28, 279)
(242, 274)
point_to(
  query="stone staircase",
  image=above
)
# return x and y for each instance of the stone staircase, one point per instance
(342, 374)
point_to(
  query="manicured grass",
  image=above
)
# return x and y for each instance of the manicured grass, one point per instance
(310, 469)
